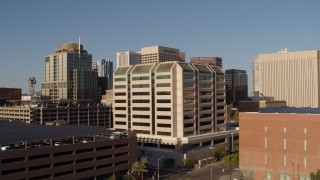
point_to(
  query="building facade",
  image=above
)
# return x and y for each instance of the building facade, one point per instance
(236, 86)
(128, 58)
(69, 74)
(279, 145)
(10, 94)
(64, 152)
(42, 112)
(290, 76)
(156, 54)
(105, 73)
(170, 104)
(211, 61)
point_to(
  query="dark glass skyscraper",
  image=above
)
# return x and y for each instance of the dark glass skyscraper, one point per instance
(105, 73)
(236, 86)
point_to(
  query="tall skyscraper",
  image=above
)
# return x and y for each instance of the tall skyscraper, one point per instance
(170, 104)
(236, 86)
(69, 74)
(105, 73)
(128, 58)
(211, 61)
(290, 76)
(156, 54)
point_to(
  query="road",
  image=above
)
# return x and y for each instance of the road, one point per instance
(203, 173)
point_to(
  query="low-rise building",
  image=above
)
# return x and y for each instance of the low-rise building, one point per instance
(280, 144)
(80, 113)
(32, 151)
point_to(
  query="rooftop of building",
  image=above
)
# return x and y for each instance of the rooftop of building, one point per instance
(302, 110)
(12, 132)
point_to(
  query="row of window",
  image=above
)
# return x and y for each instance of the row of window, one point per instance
(145, 108)
(142, 85)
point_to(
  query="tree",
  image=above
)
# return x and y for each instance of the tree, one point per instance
(140, 166)
(235, 149)
(231, 160)
(218, 151)
(186, 162)
(315, 176)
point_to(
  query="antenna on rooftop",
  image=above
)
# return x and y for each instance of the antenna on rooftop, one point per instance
(32, 83)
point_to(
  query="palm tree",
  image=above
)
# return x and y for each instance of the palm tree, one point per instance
(140, 166)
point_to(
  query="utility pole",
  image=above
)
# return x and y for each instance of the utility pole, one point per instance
(230, 165)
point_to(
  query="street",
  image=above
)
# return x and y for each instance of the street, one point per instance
(198, 173)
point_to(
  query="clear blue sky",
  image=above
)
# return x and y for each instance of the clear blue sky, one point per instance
(234, 30)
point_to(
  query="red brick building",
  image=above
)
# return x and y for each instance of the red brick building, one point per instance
(279, 146)
(10, 94)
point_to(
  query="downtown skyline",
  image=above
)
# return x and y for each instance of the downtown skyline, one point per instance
(235, 31)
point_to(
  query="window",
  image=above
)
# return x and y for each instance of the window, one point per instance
(120, 108)
(265, 159)
(120, 115)
(120, 94)
(284, 144)
(265, 142)
(305, 130)
(140, 85)
(305, 145)
(141, 116)
(120, 86)
(188, 84)
(140, 93)
(163, 117)
(163, 85)
(284, 130)
(163, 101)
(305, 162)
(265, 129)
(188, 76)
(163, 93)
(163, 77)
(120, 123)
(141, 124)
(268, 175)
(140, 78)
(141, 108)
(120, 101)
(164, 125)
(163, 109)
(204, 77)
(141, 101)
(119, 79)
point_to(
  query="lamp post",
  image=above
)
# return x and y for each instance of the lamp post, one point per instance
(159, 165)
(293, 171)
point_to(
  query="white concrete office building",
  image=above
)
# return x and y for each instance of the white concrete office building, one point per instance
(290, 76)
(173, 105)
(128, 58)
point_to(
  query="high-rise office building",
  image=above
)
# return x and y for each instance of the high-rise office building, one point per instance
(128, 58)
(290, 76)
(105, 73)
(236, 86)
(69, 74)
(211, 61)
(156, 54)
(170, 104)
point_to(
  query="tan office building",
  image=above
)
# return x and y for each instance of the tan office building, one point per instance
(171, 104)
(290, 76)
(156, 54)
(69, 75)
